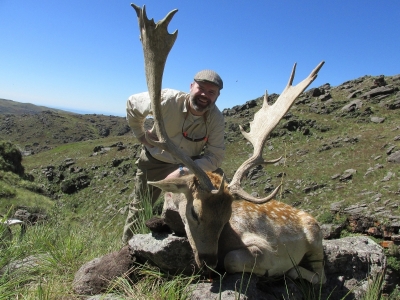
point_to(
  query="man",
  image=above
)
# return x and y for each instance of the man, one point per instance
(192, 122)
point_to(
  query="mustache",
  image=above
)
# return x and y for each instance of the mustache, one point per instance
(202, 98)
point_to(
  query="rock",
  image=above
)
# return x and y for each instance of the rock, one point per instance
(355, 259)
(349, 264)
(337, 206)
(380, 81)
(390, 150)
(316, 92)
(354, 94)
(24, 266)
(394, 157)
(353, 105)
(30, 218)
(313, 187)
(170, 253)
(377, 120)
(325, 97)
(388, 176)
(157, 224)
(331, 231)
(347, 175)
(382, 90)
(94, 277)
(231, 287)
(392, 104)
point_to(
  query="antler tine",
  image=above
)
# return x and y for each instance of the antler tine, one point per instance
(265, 120)
(157, 43)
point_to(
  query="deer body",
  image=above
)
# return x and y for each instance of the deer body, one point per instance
(270, 238)
(236, 235)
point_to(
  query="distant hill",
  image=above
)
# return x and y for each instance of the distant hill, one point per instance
(37, 128)
(18, 108)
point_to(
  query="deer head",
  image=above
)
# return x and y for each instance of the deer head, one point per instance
(207, 207)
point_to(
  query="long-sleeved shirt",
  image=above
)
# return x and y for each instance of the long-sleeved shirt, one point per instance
(178, 119)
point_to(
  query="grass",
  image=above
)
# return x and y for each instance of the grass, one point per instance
(152, 284)
(56, 250)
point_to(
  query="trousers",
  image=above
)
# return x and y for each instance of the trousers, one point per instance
(148, 169)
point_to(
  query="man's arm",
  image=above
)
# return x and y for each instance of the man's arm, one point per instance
(138, 107)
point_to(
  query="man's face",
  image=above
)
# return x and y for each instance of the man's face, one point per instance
(202, 96)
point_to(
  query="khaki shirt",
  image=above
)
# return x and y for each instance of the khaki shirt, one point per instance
(178, 119)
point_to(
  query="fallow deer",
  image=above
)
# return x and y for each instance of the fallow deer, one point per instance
(227, 227)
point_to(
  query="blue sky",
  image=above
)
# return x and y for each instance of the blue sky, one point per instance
(85, 55)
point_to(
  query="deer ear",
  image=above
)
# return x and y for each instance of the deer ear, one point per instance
(174, 185)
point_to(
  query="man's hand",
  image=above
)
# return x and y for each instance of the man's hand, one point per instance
(151, 135)
(178, 173)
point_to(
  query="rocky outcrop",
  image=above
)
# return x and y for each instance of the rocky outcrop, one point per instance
(350, 265)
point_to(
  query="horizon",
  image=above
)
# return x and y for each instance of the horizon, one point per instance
(89, 112)
(87, 56)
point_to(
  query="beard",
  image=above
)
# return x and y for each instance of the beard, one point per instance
(200, 104)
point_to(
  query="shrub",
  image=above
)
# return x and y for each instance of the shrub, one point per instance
(10, 158)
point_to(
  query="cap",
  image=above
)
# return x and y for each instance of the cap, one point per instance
(209, 76)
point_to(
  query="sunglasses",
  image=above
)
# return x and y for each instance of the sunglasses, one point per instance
(185, 134)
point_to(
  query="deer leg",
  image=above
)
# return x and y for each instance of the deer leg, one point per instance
(246, 260)
(310, 276)
(315, 260)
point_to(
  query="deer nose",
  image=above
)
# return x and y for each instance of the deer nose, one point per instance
(209, 259)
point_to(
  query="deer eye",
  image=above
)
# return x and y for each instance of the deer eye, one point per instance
(194, 214)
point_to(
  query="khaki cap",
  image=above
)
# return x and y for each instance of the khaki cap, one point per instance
(209, 76)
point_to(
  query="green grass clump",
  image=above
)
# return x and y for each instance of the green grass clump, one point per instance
(150, 283)
(58, 248)
(6, 191)
(394, 263)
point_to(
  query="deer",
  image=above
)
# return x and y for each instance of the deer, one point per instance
(227, 227)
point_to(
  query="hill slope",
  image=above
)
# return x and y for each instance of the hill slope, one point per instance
(18, 108)
(41, 130)
(336, 143)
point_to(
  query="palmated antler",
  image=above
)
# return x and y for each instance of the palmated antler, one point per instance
(265, 120)
(157, 43)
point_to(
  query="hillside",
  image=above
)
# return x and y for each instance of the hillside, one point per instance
(336, 142)
(341, 162)
(35, 129)
(18, 108)
(354, 126)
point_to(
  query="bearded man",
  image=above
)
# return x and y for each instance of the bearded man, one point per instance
(193, 123)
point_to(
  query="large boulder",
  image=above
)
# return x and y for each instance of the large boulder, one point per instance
(172, 254)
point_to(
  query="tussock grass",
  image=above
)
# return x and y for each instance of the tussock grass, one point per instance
(150, 283)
